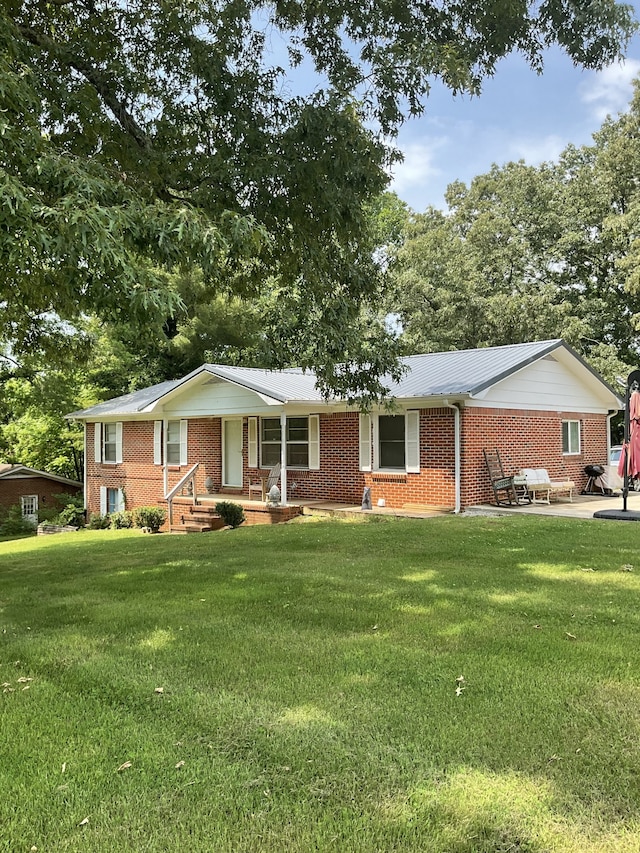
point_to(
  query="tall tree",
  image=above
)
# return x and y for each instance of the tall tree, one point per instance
(141, 137)
(533, 252)
(485, 273)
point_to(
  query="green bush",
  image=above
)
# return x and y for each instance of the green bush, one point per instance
(98, 522)
(72, 514)
(232, 514)
(13, 524)
(121, 520)
(152, 517)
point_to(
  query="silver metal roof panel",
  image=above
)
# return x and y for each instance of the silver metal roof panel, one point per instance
(441, 374)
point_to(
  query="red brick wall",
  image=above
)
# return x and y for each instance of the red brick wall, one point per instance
(142, 481)
(339, 478)
(526, 439)
(11, 490)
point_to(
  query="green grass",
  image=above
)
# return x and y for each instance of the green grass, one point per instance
(308, 676)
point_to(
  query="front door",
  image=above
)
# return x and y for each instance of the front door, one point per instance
(30, 509)
(232, 453)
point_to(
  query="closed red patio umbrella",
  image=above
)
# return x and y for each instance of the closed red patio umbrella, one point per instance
(629, 462)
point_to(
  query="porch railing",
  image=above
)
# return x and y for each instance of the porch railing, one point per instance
(190, 476)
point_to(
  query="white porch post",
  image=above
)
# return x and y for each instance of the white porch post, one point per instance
(283, 458)
(165, 469)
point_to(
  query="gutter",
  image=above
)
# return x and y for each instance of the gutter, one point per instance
(457, 454)
(609, 416)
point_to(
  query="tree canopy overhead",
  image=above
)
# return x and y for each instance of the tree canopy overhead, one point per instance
(141, 137)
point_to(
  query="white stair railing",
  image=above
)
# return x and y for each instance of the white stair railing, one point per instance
(190, 476)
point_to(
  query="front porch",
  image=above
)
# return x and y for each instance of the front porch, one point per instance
(200, 517)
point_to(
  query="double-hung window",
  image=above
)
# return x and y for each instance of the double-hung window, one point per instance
(170, 442)
(571, 437)
(108, 442)
(390, 442)
(302, 438)
(173, 442)
(297, 440)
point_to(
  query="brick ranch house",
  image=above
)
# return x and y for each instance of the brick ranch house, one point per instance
(32, 490)
(539, 403)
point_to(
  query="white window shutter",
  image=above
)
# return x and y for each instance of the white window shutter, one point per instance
(183, 442)
(157, 442)
(365, 442)
(412, 442)
(119, 442)
(314, 442)
(252, 442)
(97, 441)
(103, 500)
(121, 501)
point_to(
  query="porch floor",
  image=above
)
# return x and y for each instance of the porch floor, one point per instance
(582, 506)
(320, 507)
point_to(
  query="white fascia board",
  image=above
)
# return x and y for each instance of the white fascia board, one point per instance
(405, 403)
(158, 405)
(24, 473)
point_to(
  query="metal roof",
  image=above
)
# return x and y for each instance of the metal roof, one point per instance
(467, 371)
(127, 404)
(441, 374)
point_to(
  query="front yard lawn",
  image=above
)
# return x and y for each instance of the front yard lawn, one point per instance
(444, 686)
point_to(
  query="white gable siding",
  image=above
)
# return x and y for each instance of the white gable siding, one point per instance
(221, 398)
(545, 385)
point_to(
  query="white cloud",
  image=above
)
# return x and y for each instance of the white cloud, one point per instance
(609, 91)
(536, 151)
(417, 168)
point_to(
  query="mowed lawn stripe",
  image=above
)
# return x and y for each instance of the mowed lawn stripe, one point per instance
(444, 685)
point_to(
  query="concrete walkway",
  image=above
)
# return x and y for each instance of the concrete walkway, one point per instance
(582, 506)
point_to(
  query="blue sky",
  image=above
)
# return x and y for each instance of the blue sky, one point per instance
(520, 115)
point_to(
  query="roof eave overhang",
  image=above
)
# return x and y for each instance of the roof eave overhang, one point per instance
(21, 472)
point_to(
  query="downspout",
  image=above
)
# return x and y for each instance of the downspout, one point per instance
(457, 454)
(283, 458)
(609, 416)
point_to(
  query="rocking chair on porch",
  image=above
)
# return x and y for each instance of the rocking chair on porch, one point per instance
(500, 483)
(265, 484)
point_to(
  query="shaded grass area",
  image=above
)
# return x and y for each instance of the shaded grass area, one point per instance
(294, 687)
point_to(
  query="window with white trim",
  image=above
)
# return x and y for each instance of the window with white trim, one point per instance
(302, 439)
(29, 507)
(391, 442)
(173, 442)
(170, 442)
(109, 442)
(395, 444)
(113, 500)
(570, 437)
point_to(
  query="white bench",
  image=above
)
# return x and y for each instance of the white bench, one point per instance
(541, 487)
